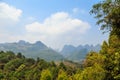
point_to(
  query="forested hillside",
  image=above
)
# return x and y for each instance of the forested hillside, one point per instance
(102, 65)
(18, 67)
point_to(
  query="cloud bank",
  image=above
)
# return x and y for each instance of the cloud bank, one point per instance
(56, 30)
(57, 24)
(8, 14)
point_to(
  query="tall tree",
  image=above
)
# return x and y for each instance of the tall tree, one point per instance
(108, 14)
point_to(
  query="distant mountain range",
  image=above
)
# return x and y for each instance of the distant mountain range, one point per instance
(78, 53)
(38, 49)
(35, 50)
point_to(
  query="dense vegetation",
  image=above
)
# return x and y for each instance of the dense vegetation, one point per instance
(108, 59)
(18, 67)
(104, 65)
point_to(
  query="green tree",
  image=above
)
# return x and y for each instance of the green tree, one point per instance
(108, 14)
(104, 48)
(13, 64)
(62, 66)
(62, 75)
(19, 55)
(1, 75)
(93, 58)
(77, 75)
(46, 75)
(54, 71)
(95, 72)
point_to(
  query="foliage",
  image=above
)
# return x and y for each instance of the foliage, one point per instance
(62, 75)
(108, 14)
(93, 58)
(95, 72)
(17, 67)
(46, 75)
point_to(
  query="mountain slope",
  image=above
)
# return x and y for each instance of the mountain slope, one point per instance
(35, 50)
(78, 53)
(67, 50)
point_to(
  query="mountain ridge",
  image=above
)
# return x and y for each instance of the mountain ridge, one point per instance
(78, 53)
(34, 50)
(39, 49)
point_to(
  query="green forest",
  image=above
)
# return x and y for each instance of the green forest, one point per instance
(102, 65)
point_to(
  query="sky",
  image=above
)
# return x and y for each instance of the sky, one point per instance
(54, 22)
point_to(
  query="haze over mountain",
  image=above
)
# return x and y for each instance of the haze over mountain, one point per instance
(56, 24)
(78, 53)
(37, 49)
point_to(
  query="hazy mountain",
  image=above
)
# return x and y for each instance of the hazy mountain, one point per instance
(67, 50)
(78, 53)
(37, 49)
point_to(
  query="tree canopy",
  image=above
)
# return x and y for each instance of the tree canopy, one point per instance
(108, 14)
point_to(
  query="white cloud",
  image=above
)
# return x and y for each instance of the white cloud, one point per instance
(56, 30)
(56, 24)
(8, 14)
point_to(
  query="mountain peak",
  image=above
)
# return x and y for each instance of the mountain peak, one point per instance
(22, 42)
(39, 44)
(67, 49)
(32, 50)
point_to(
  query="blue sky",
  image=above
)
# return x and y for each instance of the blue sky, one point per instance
(54, 22)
